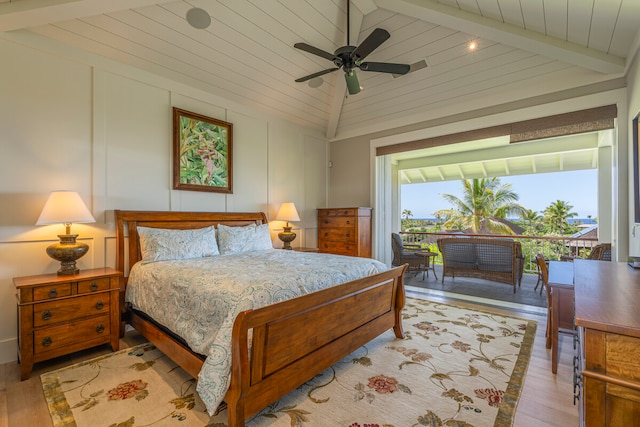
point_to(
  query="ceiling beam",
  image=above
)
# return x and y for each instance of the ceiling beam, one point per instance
(512, 151)
(33, 13)
(507, 34)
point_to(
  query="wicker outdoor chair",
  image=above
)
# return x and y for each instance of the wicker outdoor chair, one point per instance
(404, 253)
(600, 252)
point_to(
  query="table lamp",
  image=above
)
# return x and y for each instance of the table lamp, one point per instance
(66, 207)
(287, 212)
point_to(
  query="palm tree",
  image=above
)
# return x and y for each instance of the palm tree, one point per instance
(484, 202)
(532, 219)
(406, 214)
(556, 216)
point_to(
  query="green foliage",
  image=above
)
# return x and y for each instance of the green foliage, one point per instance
(483, 202)
(203, 153)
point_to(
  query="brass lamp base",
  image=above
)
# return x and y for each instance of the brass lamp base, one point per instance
(287, 236)
(67, 251)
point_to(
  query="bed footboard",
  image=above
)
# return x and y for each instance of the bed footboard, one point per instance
(294, 340)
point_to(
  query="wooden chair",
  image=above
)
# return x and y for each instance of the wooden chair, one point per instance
(544, 276)
(406, 254)
(539, 282)
(554, 325)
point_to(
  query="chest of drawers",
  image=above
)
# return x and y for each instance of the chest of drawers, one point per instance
(58, 315)
(345, 231)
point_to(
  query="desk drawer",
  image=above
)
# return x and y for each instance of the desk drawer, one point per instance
(93, 331)
(48, 313)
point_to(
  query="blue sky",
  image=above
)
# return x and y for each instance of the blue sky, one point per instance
(578, 188)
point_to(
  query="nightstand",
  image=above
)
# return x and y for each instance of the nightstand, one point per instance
(58, 315)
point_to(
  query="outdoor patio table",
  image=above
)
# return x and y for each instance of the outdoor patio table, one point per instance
(428, 263)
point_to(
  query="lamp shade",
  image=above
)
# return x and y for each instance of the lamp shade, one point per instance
(64, 207)
(288, 212)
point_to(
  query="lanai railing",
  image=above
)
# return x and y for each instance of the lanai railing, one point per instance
(553, 248)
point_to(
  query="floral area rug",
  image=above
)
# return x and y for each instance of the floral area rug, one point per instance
(456, 367)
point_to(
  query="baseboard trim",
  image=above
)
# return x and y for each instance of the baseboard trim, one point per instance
(8, 350)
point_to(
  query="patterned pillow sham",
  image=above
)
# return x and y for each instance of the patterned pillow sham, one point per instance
(160, 244)
(233, 240)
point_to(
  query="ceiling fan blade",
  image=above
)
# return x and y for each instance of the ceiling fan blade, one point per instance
(318, 74)
(315, 51)
(371, 43)
(353, 86)
(385, 67)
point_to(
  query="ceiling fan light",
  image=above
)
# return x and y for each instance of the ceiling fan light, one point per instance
(198, 18)
(353, 86)
(315, 83)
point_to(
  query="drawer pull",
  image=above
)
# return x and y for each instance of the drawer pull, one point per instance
(53, 293)
(46, 315)
(99, 305)
(46, 342)
(99, 329)
(348, 222)
(94, 286)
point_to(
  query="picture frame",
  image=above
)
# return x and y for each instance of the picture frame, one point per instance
(202, 153)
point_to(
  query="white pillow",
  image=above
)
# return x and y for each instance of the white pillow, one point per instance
(161, 244)
(233, 240)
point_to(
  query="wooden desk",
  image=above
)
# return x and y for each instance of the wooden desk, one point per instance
(561, 276)
(607, 308)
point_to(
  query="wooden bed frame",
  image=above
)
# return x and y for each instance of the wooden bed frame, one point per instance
(283, 354)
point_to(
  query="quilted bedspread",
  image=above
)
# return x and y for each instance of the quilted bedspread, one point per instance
(199, 299)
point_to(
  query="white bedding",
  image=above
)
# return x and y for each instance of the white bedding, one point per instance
(198, 299)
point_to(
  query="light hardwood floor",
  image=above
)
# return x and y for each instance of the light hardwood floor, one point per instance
(546, 400)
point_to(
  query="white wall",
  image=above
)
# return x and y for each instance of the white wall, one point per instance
(75, 122)
(633, 86)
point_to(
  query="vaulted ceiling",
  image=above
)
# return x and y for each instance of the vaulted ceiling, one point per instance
(524, 49)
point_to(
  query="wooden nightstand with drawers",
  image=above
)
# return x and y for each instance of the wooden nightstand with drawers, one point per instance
(58, 315)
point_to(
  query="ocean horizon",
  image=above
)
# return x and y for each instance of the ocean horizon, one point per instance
(570, 220)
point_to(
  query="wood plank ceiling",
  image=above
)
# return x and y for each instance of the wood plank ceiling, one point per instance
(525, 48)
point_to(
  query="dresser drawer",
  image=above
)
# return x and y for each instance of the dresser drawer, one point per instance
(344, 235)
(87, 286)
(93, 331)
(338, 248)
(337, 222)
(337, 212)
(42, 293)
(48, 313)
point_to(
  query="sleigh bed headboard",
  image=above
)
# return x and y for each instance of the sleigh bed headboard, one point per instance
(127, 223)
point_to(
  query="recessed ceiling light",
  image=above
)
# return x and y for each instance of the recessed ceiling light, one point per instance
(473, 45)
(198, 18)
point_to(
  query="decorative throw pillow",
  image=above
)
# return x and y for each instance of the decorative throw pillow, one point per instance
(233, 240)
(161, 244)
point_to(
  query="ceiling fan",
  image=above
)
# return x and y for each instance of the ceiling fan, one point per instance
(350, 57)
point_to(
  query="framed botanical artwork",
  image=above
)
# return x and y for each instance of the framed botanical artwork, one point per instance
(202, 153)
